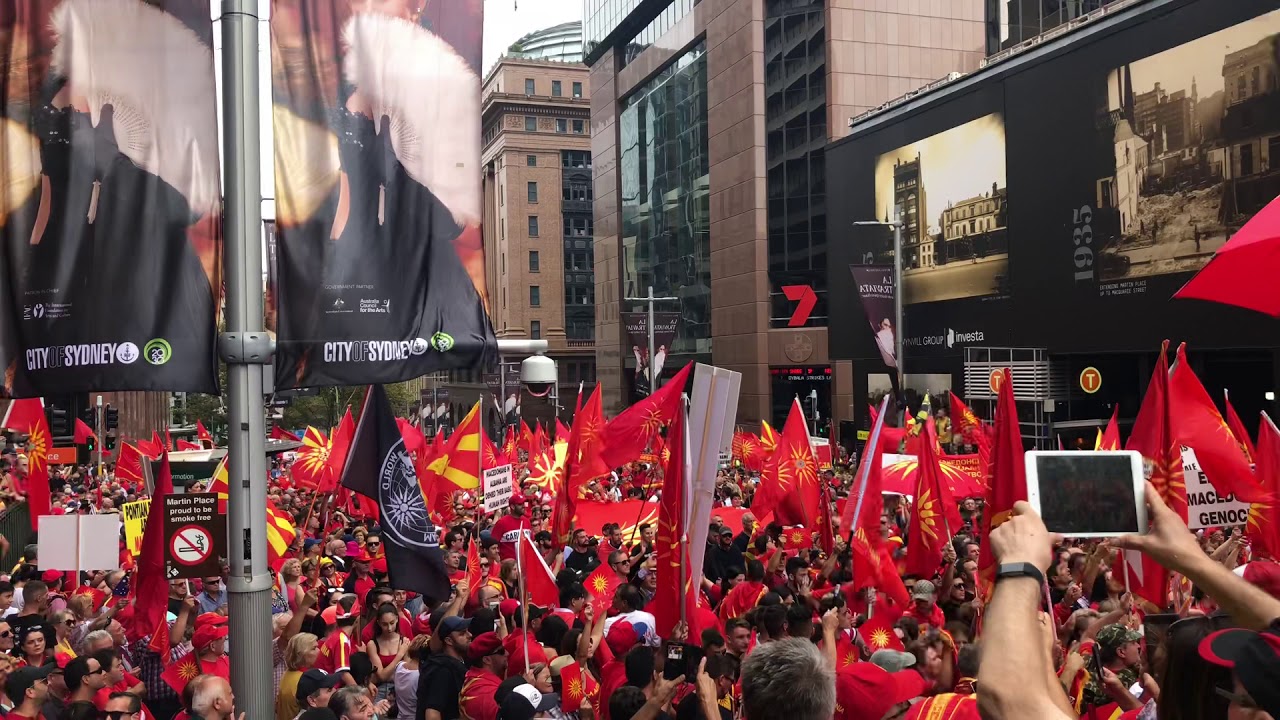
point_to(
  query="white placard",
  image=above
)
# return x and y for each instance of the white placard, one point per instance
(59, 545)
(79, 542)
(1205, 507)
(497, 488)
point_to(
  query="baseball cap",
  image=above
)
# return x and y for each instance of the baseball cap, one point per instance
(892, 660)
(510, 606)
(484, 645)
(453, 624)
(207, 634)
(621, 637)
(1115, 635)
(525, 702)
(313, 680)
(22, 679)
(1253, 657)
(517, 498)
(865, 691)
(924, 590)
(51, 576)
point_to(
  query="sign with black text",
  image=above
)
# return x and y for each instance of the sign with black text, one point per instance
(195, 536)
(1205, 507)
(498, 488)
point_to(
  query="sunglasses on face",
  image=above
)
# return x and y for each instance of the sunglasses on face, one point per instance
(119, 714)
(373, 544)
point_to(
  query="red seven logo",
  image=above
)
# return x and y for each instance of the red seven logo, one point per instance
(805, 298)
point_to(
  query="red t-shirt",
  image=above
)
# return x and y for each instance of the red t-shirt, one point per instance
(335, 652)
(507, 530)
(476, 701)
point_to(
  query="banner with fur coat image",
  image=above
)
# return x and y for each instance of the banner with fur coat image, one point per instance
(110, 244)
(379, 264)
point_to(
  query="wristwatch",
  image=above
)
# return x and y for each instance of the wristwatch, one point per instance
(1013, 570)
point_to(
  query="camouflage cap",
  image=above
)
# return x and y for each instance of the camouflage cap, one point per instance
(1115, 635)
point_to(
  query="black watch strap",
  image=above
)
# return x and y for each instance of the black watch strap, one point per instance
(1020, 570)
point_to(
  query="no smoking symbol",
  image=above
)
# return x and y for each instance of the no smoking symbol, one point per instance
(191, 545)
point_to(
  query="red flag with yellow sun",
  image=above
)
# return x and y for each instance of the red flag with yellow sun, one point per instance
(934, 516)
(789, 485)
(27, 417)
(601, 584)
(320, 459)
(576, 687)
(1264, 526)
(878, 632)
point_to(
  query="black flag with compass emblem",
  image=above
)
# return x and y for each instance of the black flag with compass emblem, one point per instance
(379, 467)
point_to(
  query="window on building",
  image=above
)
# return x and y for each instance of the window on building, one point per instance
(535, 330)
(502, 228)
(533, 226)
(533, 192)
(530, 123)
(529, 87)
(555, 88)
(503, 258)
(578, 126)
(501, 196)
(535, 296)
(571, 372)
(533, 261)
(577, 191)
(562, 125)
(577, 89)
(531, 160)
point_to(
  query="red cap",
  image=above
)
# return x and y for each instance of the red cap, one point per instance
(865, 691)
(51, 576)
(379, 566)
(210, 619)
(207, 634)
(509, 606)
(363, 557)
(517, 498)
(622, 637)
(484, 645)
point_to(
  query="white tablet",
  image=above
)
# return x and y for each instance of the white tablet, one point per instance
(1088, 494)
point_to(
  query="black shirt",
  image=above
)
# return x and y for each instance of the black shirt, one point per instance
(19, 623)
(690, 708)
(582, 562)
(439, 683)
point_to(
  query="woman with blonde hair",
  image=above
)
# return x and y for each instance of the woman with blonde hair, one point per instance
(64, 623)
(299, 656)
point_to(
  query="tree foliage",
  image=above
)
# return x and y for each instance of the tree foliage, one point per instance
(320, 407)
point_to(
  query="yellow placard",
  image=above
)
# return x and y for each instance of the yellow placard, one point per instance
(864, 434)
(135, 521)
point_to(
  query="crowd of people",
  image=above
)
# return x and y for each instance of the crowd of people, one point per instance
(780, 628)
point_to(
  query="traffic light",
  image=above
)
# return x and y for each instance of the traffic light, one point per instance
(59, 421)
(111, 418)
(109, 442)
(89, 416)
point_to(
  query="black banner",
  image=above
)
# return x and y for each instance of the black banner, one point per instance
(636, 325)
(875, 288)
(110, 249)
(378, 207)
(1060, 203)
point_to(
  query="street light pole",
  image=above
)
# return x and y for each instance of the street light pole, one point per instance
(650, 299)
(247, 349)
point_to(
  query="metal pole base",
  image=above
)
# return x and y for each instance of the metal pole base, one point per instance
(249, 611)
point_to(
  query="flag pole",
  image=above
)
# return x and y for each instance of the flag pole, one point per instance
(524, 596)
(873, 442)
(247, 350)
(686, 467)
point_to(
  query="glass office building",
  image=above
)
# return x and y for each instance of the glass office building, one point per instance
(664, 198)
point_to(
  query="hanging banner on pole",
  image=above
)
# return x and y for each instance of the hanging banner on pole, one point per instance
(498, 488)
(378, 191)
(636, 324)
(875, 288)
(110, 251)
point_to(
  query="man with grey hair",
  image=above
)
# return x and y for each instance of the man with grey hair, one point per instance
(212, 699)
(97, 640)
(788, 678)
(351, 703)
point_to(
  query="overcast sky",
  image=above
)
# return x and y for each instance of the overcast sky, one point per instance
(506, 21)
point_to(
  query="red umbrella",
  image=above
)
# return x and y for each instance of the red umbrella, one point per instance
(1243, 271)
